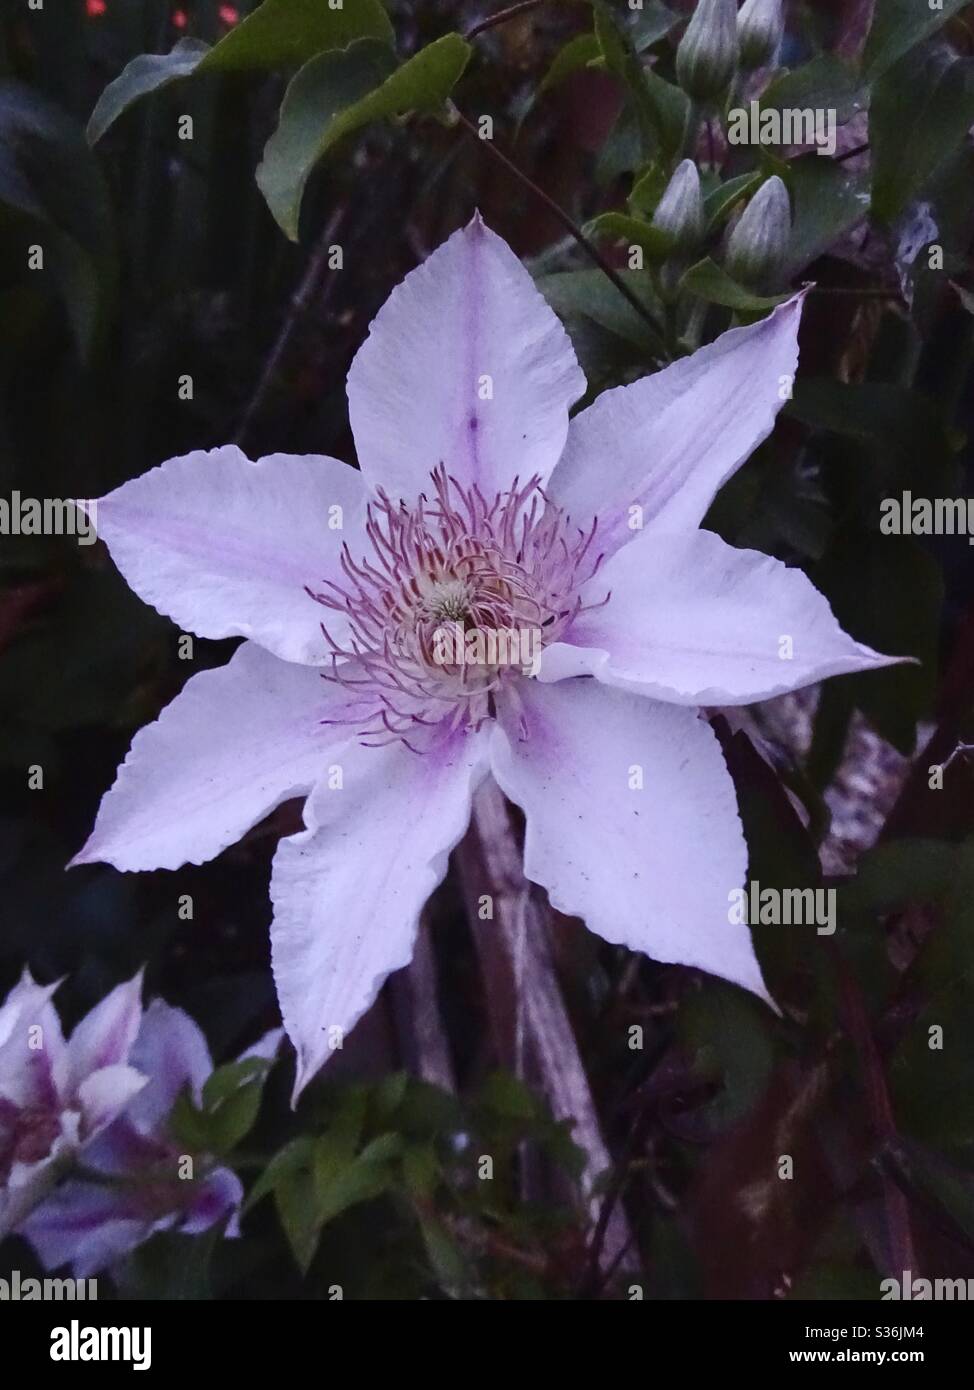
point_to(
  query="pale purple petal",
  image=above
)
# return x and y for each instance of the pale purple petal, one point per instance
(234, 744)
(692, 620)
(226, 547)
(464, 365)
(668, 442)
(348, 891)
(85, 1226)
(632, 821)
(31, 1046)
(217, 1198)
(105, 1094)
(171, 1050)
(102, 1038)
(265, 1048)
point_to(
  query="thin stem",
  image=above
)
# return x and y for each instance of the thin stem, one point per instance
(850, 154)
(502, 16)
(300, 303)
(902, 1252)
(563, 218)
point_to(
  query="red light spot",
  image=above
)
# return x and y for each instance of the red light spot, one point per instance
(229, 14)
(179, 19)
(94, 8)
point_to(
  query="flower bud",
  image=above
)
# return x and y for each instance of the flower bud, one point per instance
(679, 213)
(706, 59)
(757, 248)
(760, 29)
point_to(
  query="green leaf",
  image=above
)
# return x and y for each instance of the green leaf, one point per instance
(898, 25)
(661, 109)
(337, 93)
(708, 281)
(150, 72)
(721, 201)
(446, 1256)
(591, 294)
(921, 112)
(931, 1088)
(339, 1184)
(647, 190)
(887, 591)
(826, 202)
(230, 1102)
(727, 1035)
(49, 177)
(294, 1197)
(823, 84)
(286, 33)
(280, 33)
(903, 871)
(293, 1158)
(616, 226)
(577, 53)
(652, 23)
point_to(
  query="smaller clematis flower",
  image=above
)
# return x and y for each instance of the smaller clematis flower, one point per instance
(56, 1097)
(138, 1177)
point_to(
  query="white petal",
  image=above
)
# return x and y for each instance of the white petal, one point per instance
(31, 1045)
(103, 1038)
(235, 743)
(348, 891)
(465, 365)
(650, 867)
(105, 1094)
(226, 547)
(668, 442)
(692, 620)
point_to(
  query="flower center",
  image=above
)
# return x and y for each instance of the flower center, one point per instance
(458, 595)
(30, 1138)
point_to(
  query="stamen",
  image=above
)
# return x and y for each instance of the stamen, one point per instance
(513, 565)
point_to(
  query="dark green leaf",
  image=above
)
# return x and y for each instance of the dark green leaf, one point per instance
(616, 226)
(577, 53)
(900, 24)
(279, 34)
(150, 72)
(337, 93)
(722, 200)
(49, 178)
(823, 84)
(921, 111)
(826, 203)
(708, 281)
(661, 109)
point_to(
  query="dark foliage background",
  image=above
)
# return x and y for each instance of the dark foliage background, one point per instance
(164, 261)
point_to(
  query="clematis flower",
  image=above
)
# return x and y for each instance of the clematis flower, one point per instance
(56, 1096)
(477, 508)
(142, 1182)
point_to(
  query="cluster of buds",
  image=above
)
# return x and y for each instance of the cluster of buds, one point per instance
(719, 40)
